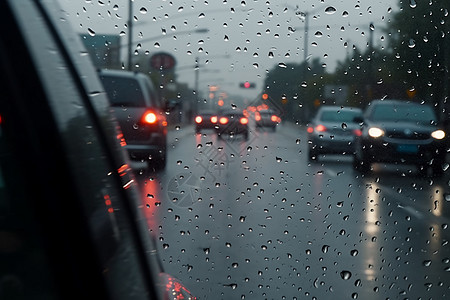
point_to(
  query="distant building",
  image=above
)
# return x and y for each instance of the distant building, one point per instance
(104, 50)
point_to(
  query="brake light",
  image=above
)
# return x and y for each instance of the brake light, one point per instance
(274, 118)
(214, 119)
(243, 121)
(150, 117)
(223, 120)
(357, 132)
(198, 119)
(310, 130)
(257, 117)
(321, 128)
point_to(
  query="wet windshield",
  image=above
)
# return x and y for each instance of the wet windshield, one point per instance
(255, 208)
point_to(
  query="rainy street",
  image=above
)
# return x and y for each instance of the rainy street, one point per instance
(254, 219)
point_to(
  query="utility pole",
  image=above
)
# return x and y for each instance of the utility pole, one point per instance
(130, 32)
(370, 57)
(196, 98)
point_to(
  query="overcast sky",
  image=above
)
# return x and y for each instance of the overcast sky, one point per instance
(245, 38)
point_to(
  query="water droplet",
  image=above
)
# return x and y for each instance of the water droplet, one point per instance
(344, 125)
(346, 275)
(354, 252)
(91, 32)
(318, 34)
(330, 10)
(143, 10)
(325, 248)
(412, 3)
(427, 263)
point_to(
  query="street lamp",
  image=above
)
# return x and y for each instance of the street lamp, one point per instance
(305, 15)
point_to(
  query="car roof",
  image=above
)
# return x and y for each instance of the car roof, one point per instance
(231, 111)
(120, 73)
(393, 102)
(339, 108)
(206, 112)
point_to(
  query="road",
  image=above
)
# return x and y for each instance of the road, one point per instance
(238, 219)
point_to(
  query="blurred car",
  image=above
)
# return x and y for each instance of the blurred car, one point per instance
(140, 113)
(267, 118)
(205, 120)
(401, 132)
(77, 229)
(232, 122)
(333, 130)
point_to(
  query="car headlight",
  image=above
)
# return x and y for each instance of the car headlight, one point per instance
(438, 134)
(376, 132)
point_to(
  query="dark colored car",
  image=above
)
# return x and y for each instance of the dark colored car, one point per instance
(232, 122)
(72, 226)
(267, 118)
(333, 130)
(140, 113)
(205, 120)
(401, 132)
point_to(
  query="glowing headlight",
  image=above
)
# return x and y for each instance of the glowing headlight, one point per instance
(375, 132)
(438, 134)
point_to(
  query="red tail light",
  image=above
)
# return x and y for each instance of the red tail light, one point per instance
(357, 132)
(223, 120)
(243, 121)
(214, 119)
(257, 117)
(310, 130)
(321, 128)
(149, 118)
(274, 118)
(198, 119)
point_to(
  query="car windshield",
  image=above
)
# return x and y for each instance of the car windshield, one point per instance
(404, 113)
(123, 91)
(339, 116)
(255, 208)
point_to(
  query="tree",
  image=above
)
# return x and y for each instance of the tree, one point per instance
(419, 39)
(294, 88)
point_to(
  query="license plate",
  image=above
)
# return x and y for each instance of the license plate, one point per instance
(407, 148)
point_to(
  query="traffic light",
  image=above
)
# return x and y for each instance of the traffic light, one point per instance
(247, 85)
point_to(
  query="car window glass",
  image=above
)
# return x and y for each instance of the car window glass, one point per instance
(338, 116)
(422, 114)
(123, 91)
(295, 210)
